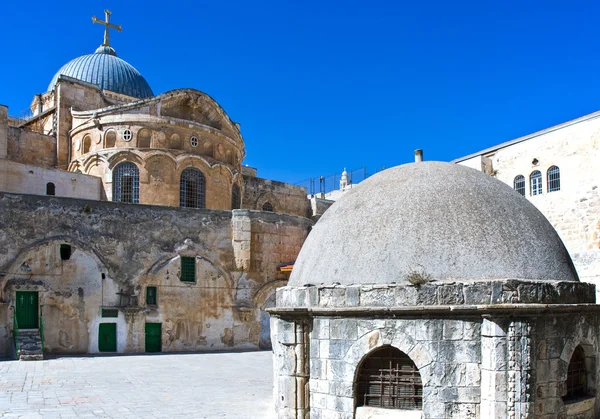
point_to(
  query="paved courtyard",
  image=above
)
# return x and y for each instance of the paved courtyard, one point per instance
(213, 385)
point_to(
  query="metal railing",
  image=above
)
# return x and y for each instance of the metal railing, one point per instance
(16, 333)
(326, 184)
(42, 331)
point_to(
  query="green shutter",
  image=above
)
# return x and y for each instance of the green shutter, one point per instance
(188, 269)
(153, 337)
(151, 296)
(107, 337)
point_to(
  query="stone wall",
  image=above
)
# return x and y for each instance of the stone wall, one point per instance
(283, 197)
(126, 248)
(573, 211)
(483, 350)
(29, 147)
(30, 179)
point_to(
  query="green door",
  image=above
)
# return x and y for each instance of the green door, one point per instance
(27, 309)
(107, 337)
(153, 337)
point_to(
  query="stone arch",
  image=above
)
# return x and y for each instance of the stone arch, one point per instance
(93, 160)
(263, 299)
(378, 338)
(143, 138)
(267, 197)
(588, 341)
(87, 144)
(110, 138)
(125, 156)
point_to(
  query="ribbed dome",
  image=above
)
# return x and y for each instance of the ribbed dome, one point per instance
(107, 71)
(443, 221)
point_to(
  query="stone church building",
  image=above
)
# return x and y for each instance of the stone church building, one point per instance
(129, 223)
(434, 291)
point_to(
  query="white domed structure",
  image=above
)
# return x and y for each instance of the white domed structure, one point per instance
(441, 220)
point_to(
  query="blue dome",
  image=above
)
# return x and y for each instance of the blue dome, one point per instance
(107, 71)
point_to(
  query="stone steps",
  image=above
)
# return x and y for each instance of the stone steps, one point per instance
(29, 345)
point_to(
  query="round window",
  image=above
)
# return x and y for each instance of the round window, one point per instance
(194, 141)
(127, 135)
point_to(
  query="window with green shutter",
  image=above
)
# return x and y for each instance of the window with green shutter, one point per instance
(188, 269)
(151, 296)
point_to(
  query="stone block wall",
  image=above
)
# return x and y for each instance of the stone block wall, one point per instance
(573, 210)
(30, 147)
(284, 197)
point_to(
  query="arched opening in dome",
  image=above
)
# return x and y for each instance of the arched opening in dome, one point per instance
(126, 183)
(110, 138)
(144, 138)
(192, 189)
(388, 379)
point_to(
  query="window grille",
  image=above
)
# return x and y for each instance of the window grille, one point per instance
(268, 207)
(553, 179)
(576, 375)
(236, 201)
(192, 189)
(50, 188)
(188, 269)
(151, 296)
(126, 183)
(536, 182)
(389, 379)
(127, 135)
(194, 141)
(519, 184)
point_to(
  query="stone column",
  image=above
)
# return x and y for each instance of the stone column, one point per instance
(494, 365)
(506, 369)
(3, 131)
(290, 339)
(242, 239)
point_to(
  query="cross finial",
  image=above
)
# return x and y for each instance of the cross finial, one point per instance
(107, 25)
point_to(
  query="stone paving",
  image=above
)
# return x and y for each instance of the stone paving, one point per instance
(211, 385)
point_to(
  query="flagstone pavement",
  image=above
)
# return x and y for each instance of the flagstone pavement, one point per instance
(211, 385)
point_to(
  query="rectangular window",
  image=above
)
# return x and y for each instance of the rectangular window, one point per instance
(65, 251)
(110, 312)
(151, 296)
(188, 269)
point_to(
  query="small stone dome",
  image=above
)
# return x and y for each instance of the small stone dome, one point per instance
(431, 220)
(107, 71)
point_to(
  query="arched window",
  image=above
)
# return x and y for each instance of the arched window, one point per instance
(236, 201)
(267, 207)
(535, 182)
(209, 149)
(389, 379)
(87, 144)
(144, 138)
(519, 184)
(110, 138)
(126, 183)
(191, 189)
(576, 375)
(50, 188)
(553, 179)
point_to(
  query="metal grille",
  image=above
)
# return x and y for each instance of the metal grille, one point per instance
(553, 179)
(191, 189)
(519, 184)
(188, 269)
(576, 375)
(535, 180)
(267, 207)
(235, 197)
(389, 379)
(126, 183)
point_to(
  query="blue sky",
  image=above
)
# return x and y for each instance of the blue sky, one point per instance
(322, 85)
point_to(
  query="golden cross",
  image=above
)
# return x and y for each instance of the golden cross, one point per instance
(107, 25)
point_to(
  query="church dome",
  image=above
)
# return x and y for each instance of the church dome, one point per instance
(436, 220)
(107, 71)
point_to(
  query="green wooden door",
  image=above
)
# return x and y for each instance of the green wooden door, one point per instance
(153, 337)
(107, 337)
(27, 309)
